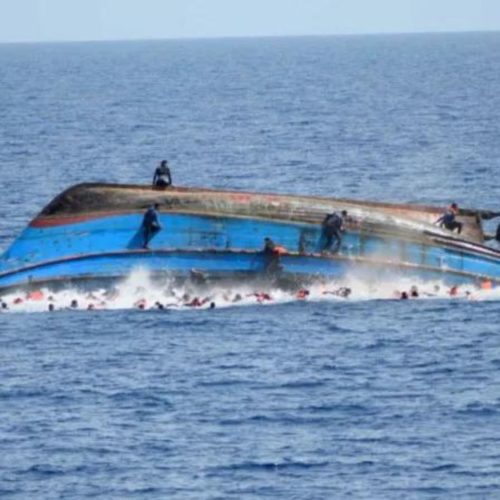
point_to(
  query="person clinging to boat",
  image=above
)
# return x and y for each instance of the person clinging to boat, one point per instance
(150, 224)
(162, 177)
(272, 253)
(448, 219)
(333, 227)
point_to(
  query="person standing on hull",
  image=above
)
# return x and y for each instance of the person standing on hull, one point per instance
(333, 227)
(150, 224)
(448, 219)
(162, 177)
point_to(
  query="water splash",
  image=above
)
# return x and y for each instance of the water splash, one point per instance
(140, 291)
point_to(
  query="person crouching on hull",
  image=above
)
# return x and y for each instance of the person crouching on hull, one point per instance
(162, 177)
(448, 219)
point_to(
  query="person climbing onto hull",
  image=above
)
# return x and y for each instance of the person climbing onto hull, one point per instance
(332, 229)
(272, 260)
(150, 224)
(448, 219)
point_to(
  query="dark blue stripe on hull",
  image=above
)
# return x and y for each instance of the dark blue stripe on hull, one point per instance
(110, 247)
(218, 264)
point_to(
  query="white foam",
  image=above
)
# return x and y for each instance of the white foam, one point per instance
(139, 291)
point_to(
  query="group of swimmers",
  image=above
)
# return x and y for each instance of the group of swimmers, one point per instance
(453, 292)
(144, 299)
(201, 297)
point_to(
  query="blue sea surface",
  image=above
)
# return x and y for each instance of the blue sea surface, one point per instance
(311, 400)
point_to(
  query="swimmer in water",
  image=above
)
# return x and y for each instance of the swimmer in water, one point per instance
(302, 294)
(261, 296)
(196, 302)
(140, 304)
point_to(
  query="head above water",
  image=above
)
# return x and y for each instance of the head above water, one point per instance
(164, 163)
(344, 213)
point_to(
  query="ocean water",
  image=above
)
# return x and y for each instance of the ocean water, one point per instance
(364, 397)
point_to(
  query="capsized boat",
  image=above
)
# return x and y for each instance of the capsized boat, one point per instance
(94, 232)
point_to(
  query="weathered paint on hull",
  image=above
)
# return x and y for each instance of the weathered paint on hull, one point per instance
(109, 246)
(84, 199)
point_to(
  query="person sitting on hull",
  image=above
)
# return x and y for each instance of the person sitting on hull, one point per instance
(162, 177)
(272, 261)
(448, 219)
(333, 227)
(150, 224)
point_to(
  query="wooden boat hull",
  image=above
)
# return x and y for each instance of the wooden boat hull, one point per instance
(66, 247)
(94, 232)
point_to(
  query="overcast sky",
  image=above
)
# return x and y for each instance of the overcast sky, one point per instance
(54, 20)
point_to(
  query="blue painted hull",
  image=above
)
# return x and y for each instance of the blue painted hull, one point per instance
(109, 246)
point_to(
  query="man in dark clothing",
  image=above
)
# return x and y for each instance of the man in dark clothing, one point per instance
(162, 177)
(271, 256)
(269, 246)
(333, 227)
(150, 224)
(448, 219)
